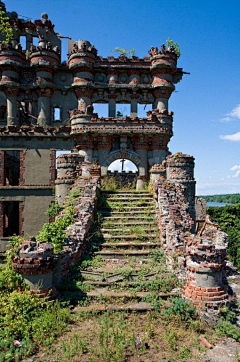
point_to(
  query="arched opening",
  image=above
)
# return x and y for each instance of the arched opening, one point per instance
(122, 174)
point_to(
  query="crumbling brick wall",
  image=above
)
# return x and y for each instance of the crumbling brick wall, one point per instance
(202, 257)
(43, 270)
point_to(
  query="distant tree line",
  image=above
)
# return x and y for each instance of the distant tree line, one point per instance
(228, 217)
(226, 198)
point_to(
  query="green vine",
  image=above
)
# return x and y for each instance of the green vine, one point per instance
(54, 232)
(9, 279)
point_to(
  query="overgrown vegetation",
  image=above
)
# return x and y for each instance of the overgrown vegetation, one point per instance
(54, 232)
(5, 28)
(111, 184)
(228, 218)
(170, 42)
(128, 53)
(25, 320)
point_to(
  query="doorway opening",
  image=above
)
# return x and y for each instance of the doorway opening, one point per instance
(123, 173)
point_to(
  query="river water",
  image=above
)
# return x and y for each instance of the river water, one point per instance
(217, 204)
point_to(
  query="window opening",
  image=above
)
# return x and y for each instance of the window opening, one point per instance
(11, 168)
(22, 41)
(10, 218)
(57, 114)
(123, 110)
(101, 109)
(3, 113)
(143, 109)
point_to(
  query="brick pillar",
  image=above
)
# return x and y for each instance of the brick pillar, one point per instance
(22, 168)
(35, 261)
(12, 119)
(1, 219)
(53, 168)
(180, 168)
(206, 260)
(67, 165)
(21, 218)
(2, 167)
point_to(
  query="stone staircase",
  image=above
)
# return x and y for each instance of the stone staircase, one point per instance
(125, 268)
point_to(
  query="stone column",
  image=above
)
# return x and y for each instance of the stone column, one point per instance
(67, 165)
(12, 119)
(161, 96)
(44, 107)
(112, 106)
(84, 96)
(134, 106)
(142, 150)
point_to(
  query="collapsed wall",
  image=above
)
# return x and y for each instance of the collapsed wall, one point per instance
(41, 268)
(201, 257)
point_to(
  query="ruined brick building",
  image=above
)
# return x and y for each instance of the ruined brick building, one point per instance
(46, 106)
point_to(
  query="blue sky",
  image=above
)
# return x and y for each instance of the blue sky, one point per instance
(206, 103)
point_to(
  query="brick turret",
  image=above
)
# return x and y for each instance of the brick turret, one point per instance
(35, 261)
(68, 166)
(180, 168)
(206, 261)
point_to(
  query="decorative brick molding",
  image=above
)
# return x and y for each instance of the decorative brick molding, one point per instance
(53, 168)
(22, 169)
(2, 168)
(21, 218)
(1, 219)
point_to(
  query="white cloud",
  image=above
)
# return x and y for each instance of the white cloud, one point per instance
(235, 168)
(237, 174)
(235, 113)
(225, 119)
(231, 137)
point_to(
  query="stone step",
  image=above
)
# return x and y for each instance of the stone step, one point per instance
(112, 277)
(104, 292)
(129, 202)
(128, 237)
(122, 254)
(140, 192)
(140, 307)
(129, 199)
(127, 217)
(117, 224)
(123, 230)
(129, 245)
(128, 209)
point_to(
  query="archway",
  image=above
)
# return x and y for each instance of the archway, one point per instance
(127, 155)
